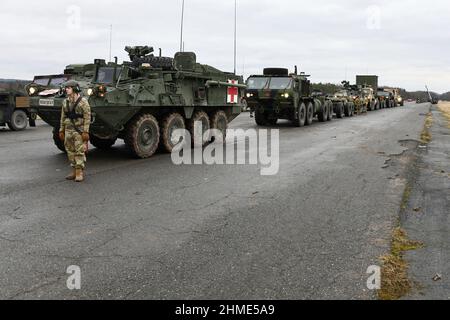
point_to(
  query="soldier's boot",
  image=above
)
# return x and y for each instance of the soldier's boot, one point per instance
(72, 176)
(79, 175)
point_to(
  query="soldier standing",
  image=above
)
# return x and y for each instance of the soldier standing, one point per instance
(74, 129)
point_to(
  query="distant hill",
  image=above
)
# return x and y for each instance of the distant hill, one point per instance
(13, 84)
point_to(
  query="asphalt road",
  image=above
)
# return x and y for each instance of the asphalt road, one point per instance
(147, 229)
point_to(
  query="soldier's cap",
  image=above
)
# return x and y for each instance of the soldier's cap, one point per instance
(71, 84)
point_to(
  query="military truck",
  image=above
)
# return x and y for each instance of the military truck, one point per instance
(144, 100)
(386, 99)
(398, 99)
(15, 110)
(278, 94)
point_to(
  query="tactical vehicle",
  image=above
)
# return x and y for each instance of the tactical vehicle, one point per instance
(397, 97)
(15, 110)
(277, 94)
(370, 81)
(144, 100)
(343, 101)
(386, 99)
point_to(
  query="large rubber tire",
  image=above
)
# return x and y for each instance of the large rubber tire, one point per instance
(309, 114)
(171, 123)
(102, 144)
(219, 121)
(199, 116)
(340, 110)
(142, 136)
(300, 119)
(58, 143)
(19, 121)
(260, 119)
(330, 111)
(323, 113)
(347, 109)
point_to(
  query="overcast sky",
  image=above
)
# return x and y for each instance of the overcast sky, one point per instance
(405, 42)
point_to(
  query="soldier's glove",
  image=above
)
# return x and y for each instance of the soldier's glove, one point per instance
(62, 136)
(85, 137)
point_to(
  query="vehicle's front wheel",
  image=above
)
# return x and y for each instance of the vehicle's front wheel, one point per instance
(142, 136)
(340, 110)
(19, 121)
(300, 118)
(102, 144)
(58, 143)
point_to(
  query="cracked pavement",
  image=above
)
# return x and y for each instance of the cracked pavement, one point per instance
(147, 229)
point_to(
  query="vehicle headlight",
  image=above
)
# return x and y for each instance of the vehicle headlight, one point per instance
(400, 99)
(90, 91)
(32, 90)
(249, 95)
(285, 95)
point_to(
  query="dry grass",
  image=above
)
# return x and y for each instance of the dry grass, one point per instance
(444, 107)
(426, 136)
(395, 283)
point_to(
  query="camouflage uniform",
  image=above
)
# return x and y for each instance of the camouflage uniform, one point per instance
(73, 142)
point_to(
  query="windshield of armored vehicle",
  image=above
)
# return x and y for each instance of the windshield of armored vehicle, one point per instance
(41, 81)
(257, 83)
(280, 83)
(105, 75)
(58, 81)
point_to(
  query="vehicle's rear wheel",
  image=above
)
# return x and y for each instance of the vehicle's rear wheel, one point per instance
(198, 131)
(19, 121)
(309, 114)
(323, 113)
(58, 143)
(102, 144)
(329, 111)
(142, 136)
(219, 121)
(170, 123)
(340, 110)
(347, 110)
(300, 119)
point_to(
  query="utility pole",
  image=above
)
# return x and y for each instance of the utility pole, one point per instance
(235, 35)
(110, 42)
(182, 24)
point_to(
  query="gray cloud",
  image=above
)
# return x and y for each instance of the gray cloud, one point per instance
(407, 46)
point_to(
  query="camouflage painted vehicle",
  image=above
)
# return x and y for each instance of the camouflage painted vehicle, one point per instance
(45, 91)
(398, 99)
(343, 102)
(276, 94)
(386, 99)
(145, 99)
(15, 111)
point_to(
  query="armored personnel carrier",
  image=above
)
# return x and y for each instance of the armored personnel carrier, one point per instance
(143, 101)
(343, 102)
(278, 94)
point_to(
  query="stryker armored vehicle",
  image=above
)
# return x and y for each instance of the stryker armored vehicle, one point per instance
(147, 98)
(277, 94)
(343, 101)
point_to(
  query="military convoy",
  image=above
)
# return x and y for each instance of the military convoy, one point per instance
(278, 94)
(144, 100)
